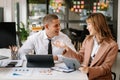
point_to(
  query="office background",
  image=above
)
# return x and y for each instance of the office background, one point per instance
(9, 14)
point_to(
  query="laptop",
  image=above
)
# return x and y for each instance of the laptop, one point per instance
(3, 57)
(43, 61)
(71, 63)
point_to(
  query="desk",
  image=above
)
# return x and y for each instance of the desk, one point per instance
(39, 73)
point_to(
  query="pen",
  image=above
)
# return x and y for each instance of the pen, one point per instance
(16, 74)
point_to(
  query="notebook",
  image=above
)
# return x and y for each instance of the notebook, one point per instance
(44, 61)
(71, 63)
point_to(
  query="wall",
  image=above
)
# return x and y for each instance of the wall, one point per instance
(9, 10)
(118, 26)
(1, 3)
(7, 5)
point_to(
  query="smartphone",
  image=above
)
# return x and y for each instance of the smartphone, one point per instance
(68, 71)
(11, 64)
(62, 69)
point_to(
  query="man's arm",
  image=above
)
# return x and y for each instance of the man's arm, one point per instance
(26, 48)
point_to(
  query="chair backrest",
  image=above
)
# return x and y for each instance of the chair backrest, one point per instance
(67, 32)
(113, 75)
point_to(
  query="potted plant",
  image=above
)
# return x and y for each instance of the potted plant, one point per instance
(23, 32)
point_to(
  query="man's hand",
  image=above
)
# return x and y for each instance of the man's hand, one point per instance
(13, 48)
(14, 52)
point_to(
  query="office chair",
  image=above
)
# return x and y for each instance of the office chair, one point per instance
(77, 36)
(80, 36)
(113, 75)
(70, 34)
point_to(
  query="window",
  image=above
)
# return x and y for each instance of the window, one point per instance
(72, 13)
(36, 11)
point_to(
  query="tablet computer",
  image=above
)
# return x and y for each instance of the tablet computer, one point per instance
(71, 63)
(44, 61)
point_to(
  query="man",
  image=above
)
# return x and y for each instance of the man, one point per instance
(39, 41)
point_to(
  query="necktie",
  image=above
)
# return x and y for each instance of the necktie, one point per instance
(49, 47)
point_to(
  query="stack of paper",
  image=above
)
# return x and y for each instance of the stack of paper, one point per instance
(11, 63)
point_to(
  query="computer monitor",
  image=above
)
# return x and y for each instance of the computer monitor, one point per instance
(7, 34)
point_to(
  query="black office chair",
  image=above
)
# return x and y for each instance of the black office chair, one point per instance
(113, 75)
(77, 36)
(80, 36)
(70, 34)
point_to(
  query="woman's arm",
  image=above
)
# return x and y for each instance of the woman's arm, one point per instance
(68, 52)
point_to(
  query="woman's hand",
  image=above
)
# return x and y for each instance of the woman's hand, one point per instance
(84, 69)
(59, 44)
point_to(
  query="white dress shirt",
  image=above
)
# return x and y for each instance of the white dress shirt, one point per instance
(95, 48)
(39, 43)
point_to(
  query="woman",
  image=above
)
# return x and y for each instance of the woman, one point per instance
(98, 51)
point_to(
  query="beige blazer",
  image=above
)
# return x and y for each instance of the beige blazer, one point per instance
(100, 67)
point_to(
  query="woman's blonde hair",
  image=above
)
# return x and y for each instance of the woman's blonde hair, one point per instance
(100, 25)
